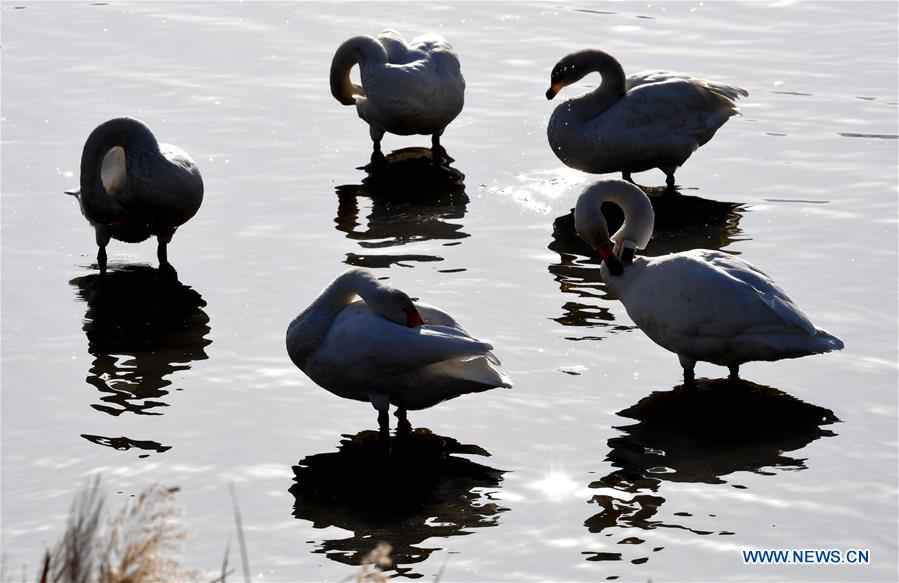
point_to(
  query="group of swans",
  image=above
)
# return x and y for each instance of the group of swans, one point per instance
(363, 340)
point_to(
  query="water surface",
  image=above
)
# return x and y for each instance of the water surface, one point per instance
(183, 378)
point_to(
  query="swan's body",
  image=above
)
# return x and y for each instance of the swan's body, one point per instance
(386, 350)
(133, 187)
(702, 305)
(407, 88)
(652, 119)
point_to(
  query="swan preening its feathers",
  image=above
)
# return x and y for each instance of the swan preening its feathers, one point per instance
(652, 119)
(702, 305)
(407, 88)
(387, 350)
(133, 187)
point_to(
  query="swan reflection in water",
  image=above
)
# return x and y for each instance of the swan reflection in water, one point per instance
(696, 435)
(142, 326)
(682, 223)
(413, 198)
(401, 490)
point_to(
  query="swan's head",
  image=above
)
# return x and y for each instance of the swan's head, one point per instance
(574, 67)
(571, 69)
(591, 225)
(396, 306)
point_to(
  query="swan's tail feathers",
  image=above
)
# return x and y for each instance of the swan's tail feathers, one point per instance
(480, 371)
(731, 92)
(827, 342)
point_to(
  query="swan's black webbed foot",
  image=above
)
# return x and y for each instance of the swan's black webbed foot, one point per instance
(403, 427)
(438, 152)
(378, 160)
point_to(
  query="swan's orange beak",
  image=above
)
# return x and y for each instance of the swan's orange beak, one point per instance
(413, 318)
(608, 255)
(553, 89)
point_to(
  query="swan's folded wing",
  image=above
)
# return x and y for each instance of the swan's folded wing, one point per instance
(731, 92)
(365, 344)
(697, 295)
(769, 292)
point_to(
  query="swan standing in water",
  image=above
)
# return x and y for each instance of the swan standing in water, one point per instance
(701, 305)
(386, 350)
(652, 119)
(133, 187)
(407, 88)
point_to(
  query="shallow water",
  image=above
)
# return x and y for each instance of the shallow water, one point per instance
(185, 379)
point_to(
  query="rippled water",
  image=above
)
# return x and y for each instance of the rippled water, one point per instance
(600, 466)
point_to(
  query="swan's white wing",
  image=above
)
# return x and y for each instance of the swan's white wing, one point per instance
(436, 316)
(768, 291)
(731, 92)
(709, 294)
(364, 345)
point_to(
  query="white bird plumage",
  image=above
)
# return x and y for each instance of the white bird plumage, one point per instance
(702, 305)
(132, 187)
(384, 349)
(407, 88)
(652, 119)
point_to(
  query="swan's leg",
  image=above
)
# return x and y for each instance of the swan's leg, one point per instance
(688, 365)
(627, 176)
(669, 181)
(102, 237)
(376, 135)
(734, 371)
(382, 404)
(101, 259)
(162, 250)
(436, 149)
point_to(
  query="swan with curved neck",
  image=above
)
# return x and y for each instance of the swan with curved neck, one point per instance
(652, 119)
(133, 187)
(407, 88)
(702, 305)
(387, 350)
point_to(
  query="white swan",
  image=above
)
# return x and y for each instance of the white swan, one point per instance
(653, 119)
(414, 88)
(133, 187)
(386, 350)
(701, 305)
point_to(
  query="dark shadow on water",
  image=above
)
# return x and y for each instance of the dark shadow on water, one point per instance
(682, 223)
(413, 198)
(401, 490)
(142, 326)
(696, 435)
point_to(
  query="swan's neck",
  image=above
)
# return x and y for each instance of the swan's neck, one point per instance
(128, 134)
(365, 51)
(612, 88)
(308, 330)
(639, 218)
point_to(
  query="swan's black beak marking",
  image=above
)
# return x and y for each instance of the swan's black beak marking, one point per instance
(615, 267)
(551, 92)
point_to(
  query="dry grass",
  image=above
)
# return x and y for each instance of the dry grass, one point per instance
(133, 546)
(371, 570)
